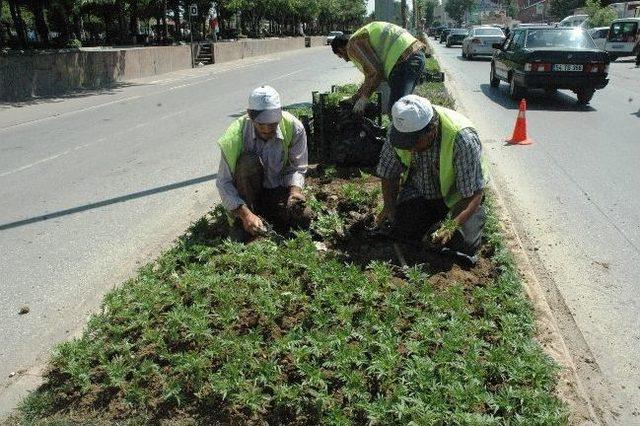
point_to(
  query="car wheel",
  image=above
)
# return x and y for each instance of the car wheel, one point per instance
(515, 92)
(493, 80)
(585, 95)
(470, 56)
(448, 45)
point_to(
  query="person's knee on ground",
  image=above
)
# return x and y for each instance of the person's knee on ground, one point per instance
(248, 178)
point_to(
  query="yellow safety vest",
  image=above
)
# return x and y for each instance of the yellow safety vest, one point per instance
(389, 41)
(232, 140)
(451, 122)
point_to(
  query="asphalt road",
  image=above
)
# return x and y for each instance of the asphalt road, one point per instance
(96, 184)
(574, 196)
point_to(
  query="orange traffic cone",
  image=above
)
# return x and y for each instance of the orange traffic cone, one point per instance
(520, 131)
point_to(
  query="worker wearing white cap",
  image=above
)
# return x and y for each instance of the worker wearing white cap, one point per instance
(263, 165)
(431, 168)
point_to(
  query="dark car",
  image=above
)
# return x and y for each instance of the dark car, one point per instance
(438, 31)
(550, 58)
(456, 36)
(444, 34)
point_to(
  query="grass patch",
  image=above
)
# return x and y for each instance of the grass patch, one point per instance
(287, 333)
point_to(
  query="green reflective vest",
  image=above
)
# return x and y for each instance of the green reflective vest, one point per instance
(451, 122)
(389, 41)
(232, 140)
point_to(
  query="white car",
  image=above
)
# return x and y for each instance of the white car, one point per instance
(480, 41)
(573, 21)
(599, 36)
(332, 35)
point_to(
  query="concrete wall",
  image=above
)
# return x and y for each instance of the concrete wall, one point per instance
(51, 73)
(232, 51)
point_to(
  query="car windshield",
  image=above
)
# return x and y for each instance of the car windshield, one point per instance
(559, 38)
(335, 33)
(459, 32)
(488, 32)
(624, 32)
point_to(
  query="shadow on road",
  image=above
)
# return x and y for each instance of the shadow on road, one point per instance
(113, 89)
(103, 203)
(537, 100)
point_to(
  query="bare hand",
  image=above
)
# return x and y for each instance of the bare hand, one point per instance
(296, 197)
(253, 224)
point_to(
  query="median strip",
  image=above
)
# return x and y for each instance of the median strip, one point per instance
(328, 326)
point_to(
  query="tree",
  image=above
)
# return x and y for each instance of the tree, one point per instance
(562, 8)
(457, 9)
(600, 16)
(426, 10)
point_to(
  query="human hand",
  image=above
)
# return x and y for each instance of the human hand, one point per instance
(444, 234)
(295, 198)
(252, 224)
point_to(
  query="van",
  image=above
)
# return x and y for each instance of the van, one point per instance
(623, 37)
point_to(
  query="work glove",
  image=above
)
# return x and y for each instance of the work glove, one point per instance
(359, 107)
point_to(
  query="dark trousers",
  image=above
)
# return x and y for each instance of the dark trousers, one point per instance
(414, 218)
(269, 203)
(405, 76)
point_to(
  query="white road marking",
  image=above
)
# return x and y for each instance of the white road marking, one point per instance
(79, 147)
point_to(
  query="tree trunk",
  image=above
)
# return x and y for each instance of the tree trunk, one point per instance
(37, 8)
(176, 20)
(164, 21)
(134, 29)
(78, 25)
(18, 23)
(122, 29)
(403, 13)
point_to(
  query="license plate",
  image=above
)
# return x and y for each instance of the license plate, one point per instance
(567, 67)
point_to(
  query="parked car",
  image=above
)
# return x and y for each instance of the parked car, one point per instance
(480, 41)
(332, 35)
(456, 36)
(438, 31)
(622, 38)
(573, 21)
(444, 34)
(550, 58)
(599, 36)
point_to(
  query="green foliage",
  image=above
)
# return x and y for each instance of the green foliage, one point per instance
(427, 9)
(560, 9)
(457, 8)
(599, 16)
(74, 44)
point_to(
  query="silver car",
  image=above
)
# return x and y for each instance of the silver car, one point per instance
(480, 40)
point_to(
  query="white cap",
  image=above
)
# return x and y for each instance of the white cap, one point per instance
(410, 115)
(264, 105)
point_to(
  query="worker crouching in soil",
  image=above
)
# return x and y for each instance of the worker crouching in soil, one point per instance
(262, 167)
(433, 178)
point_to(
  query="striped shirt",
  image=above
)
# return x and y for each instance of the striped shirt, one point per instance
(424, 173)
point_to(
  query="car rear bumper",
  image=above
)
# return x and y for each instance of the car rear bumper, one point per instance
(561, 81)
(480, 50)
